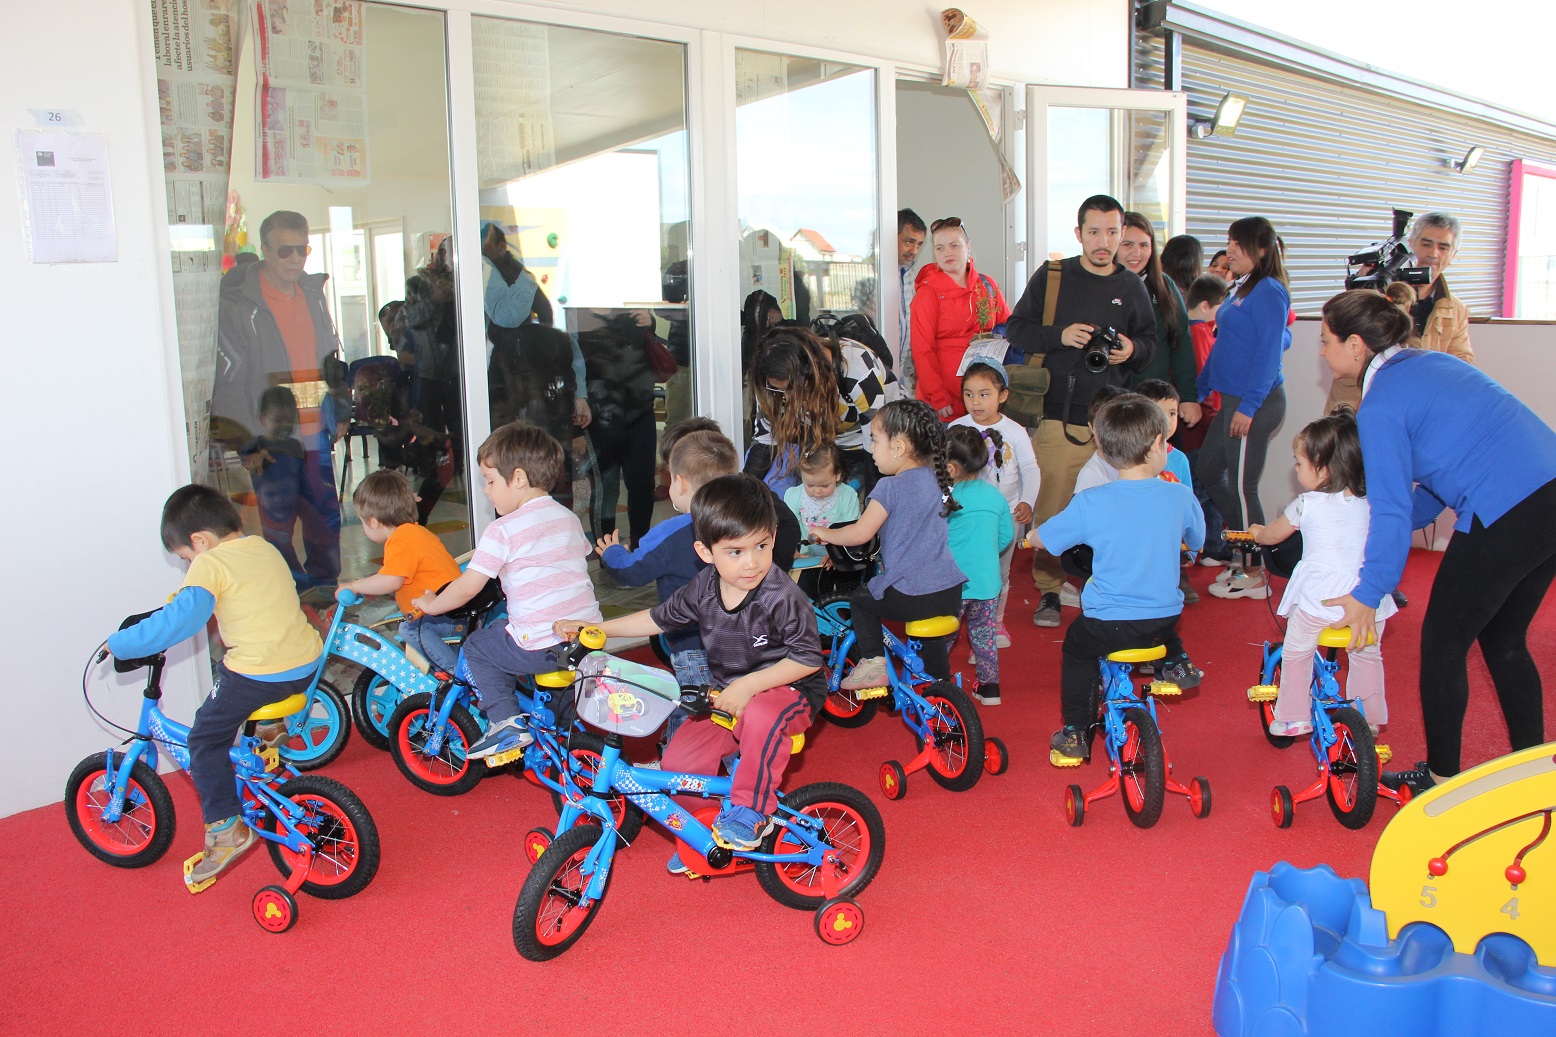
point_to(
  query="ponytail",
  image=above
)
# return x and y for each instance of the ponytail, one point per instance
(915, 421)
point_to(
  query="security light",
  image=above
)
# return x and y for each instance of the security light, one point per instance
(1470, 160)
(1224, 123)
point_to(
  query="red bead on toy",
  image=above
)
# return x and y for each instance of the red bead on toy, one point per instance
(1515, 874)
(1437, 866)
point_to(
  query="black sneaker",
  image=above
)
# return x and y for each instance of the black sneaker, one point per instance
(1047, 614)
(1399, 599)
(1068, 747)
(1419, 778)
(988, 694)
(1182, 672)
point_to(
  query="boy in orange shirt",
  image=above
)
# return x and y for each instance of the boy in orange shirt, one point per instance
(415, 561)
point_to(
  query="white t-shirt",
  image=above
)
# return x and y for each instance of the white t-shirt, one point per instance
(1095, 472)
(1017, 475)
(1334, 541)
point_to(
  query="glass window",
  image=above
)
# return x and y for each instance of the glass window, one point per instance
(806, 169)
(585, 209)
(319, 339)
(1534, 221)
(1118, 151)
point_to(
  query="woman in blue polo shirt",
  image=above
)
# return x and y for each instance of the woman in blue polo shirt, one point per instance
(1431, 421)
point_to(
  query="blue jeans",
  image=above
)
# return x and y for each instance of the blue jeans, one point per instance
(426, 634)
(293, 488)
(217, 723)
(496, 662)
(691, 671)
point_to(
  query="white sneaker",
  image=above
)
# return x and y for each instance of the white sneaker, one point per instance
(1243, 585)
(1226, 574)
(1069, 597)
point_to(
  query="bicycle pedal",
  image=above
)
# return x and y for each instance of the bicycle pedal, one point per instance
(1163, 689)
(1058, 759)
(196, 887)
(864, 694)
(1263, 693)
(506, 756)
(272, 758)
(1385, 754)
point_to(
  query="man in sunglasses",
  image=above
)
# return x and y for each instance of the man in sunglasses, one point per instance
(280, 397)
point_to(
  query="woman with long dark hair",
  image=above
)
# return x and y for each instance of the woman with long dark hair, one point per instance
(1183, 259)
(1174, 359)
(1245, 368)
(1437, 433)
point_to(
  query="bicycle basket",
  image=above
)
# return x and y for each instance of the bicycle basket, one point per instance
(624, 698)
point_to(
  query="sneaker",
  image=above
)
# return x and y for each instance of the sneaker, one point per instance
(273, 733)
(1400, 600)
(500, 737)
(674, 865)
(1419, 778)
(740, 828)
(870, 673)
(1182, 672)
(988, 694)
(1243, 585)
(1069, 597)
(225, 842)
(1290, 728)
(1068, 747)
(1002, 639)
(1047, 614)
(1214, 559)
(1190, 595)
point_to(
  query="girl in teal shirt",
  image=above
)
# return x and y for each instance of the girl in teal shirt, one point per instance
(979, 531)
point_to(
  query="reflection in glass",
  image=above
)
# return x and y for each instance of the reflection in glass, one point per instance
(585, 202)
(329, 361)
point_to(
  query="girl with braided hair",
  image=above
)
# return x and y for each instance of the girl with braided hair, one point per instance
(918, 577)
(1012, 467)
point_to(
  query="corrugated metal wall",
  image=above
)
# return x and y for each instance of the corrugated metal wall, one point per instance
(1326, 163)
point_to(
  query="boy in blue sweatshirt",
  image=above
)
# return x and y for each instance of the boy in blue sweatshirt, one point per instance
(695, 455)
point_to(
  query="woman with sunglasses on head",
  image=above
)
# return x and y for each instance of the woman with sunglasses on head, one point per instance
(952, 303)
(808, 392)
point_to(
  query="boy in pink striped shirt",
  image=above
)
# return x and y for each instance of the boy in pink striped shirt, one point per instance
(538, 550)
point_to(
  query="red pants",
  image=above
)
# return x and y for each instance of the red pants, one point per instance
(762, 735)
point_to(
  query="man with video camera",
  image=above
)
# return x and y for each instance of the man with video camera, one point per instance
(1441, 322)
(1091, 321)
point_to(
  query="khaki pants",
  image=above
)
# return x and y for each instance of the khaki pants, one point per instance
(1060, 461)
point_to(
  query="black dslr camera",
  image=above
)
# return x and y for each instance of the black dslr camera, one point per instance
(1385, 262)
(1103, 341)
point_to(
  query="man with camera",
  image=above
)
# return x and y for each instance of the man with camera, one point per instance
(1091, 321)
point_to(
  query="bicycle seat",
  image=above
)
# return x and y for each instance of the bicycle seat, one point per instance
(935, 626)
(555, 679)
(1138, 655)
(285, 708)
(1339, 637)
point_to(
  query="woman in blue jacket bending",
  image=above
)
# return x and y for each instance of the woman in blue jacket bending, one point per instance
(1244, 366)
(1431, 421)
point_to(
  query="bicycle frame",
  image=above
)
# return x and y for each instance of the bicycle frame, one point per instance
(1325, 694)
(256, 786)
(904, 676)
(651, 790)
(1119, 697)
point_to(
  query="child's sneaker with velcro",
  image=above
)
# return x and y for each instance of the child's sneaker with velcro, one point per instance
(1068, 747)
(502, 736)
(740, 828)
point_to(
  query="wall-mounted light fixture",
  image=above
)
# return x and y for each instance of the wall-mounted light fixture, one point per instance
(1470, 160)
(1224, 123)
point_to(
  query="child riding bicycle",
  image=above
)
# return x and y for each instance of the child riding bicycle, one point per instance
(763, 652)
(272, 651)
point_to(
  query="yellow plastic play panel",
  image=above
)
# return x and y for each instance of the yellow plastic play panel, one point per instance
(1476, 855)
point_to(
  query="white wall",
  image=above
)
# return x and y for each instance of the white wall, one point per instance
(1517, 355)
(93, 440)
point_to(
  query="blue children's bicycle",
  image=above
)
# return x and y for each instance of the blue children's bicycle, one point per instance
(943, 720)
(320, 835)
(1137, 763)
(1348, 759)
(824, 845)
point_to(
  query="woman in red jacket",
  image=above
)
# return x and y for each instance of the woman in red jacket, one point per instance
(952, 302)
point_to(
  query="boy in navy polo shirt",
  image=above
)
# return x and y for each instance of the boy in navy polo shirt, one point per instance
(763, 652)
(1135, 526)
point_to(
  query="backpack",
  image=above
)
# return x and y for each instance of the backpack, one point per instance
(1029, 380)
(856, 326)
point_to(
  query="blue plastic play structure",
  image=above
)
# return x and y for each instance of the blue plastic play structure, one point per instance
(1310, 955)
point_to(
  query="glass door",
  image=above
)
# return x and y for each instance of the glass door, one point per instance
(1084, 141)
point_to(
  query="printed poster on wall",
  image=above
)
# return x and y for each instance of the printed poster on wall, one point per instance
(312, 94)
(195, 43)
(514, 135)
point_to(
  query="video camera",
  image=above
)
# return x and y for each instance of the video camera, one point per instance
(1103, 341)
(1385, 262)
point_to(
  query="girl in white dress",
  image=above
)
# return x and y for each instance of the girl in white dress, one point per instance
(1333, 517)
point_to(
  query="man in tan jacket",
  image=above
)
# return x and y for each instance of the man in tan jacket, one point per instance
(1442, 322)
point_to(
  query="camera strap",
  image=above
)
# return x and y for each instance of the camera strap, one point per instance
(1069, 394)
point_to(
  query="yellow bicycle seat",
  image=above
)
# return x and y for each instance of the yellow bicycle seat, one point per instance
(285, 708)
(935, 626)
(1138, 655)
(1339, 637)
(555, 679)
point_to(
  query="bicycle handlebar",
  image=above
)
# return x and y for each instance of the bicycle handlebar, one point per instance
(348, 597)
